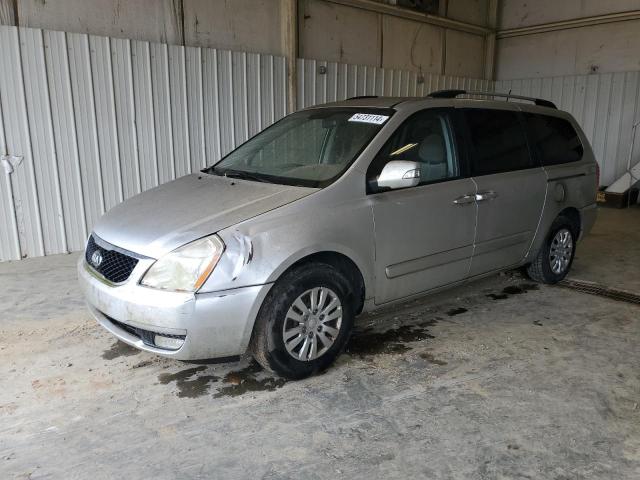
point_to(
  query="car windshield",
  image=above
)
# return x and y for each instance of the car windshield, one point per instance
(310, 148)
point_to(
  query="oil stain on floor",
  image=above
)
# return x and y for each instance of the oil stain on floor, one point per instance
(368, 342)
(431, 359)
(246, 380)
(518, 289)
(513, 290)
(457, 311)
(498, 296)
(192, 384)
(189, 383)
(119, 349)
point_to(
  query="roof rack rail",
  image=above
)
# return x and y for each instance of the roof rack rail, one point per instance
(454, 93)
(362, 96)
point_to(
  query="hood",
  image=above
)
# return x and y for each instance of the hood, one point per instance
(166, 217)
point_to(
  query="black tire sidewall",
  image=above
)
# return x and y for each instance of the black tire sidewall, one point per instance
(275, 308)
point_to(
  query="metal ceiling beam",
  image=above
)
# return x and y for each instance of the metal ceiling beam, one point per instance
(414, 15)
(568, 24)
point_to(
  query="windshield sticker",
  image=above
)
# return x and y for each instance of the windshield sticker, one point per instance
(369, 118)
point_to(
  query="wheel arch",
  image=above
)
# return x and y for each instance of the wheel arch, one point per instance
(573, 214)
(542, 234)
(340, 261)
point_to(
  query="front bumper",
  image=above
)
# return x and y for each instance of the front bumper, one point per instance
(216, 324)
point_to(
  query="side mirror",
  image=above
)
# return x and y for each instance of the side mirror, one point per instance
(399, 174)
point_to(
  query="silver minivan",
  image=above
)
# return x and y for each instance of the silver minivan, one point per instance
(336, 210)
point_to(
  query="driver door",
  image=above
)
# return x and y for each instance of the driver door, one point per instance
(424, 235)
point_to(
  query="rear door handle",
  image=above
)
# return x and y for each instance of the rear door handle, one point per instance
(488, 195)
(465, 199)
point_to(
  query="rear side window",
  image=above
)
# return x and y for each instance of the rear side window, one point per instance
(554, 139)
(498, 141)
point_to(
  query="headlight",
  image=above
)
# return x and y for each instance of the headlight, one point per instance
(186, 268)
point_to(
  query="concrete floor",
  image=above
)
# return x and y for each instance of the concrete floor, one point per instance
(499, 379)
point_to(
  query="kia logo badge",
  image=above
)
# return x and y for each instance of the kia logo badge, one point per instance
(96, 258)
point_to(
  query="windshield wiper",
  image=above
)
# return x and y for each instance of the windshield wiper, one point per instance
(244, 175)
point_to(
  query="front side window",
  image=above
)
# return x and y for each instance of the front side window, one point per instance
(554, 139)
(309, 148)
(498, 141)
(425, 138)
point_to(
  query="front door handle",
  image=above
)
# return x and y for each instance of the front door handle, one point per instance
(465, 199)
(488, 195)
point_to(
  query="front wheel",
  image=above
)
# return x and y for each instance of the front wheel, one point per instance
(305, 321)
(555, 257)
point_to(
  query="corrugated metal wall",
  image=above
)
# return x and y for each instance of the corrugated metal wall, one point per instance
(605, 105)
(97, 120)
(94, 120)
(340, 81)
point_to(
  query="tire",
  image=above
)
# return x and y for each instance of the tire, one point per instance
(554, 259)
(278, 316)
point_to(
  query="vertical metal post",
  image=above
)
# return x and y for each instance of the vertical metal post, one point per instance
(290, 46)
(490, 40)
(443, 11)
(9, 12)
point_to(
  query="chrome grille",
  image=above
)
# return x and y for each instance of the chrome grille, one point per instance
(113, 265)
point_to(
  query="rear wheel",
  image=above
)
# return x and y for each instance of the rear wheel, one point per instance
(305, 321)
(555, 257)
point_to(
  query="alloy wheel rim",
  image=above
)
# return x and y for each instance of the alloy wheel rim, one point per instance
(312, 324)
(561, 251)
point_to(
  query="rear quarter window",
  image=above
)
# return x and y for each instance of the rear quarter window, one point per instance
(553, 139)
(498, 141)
